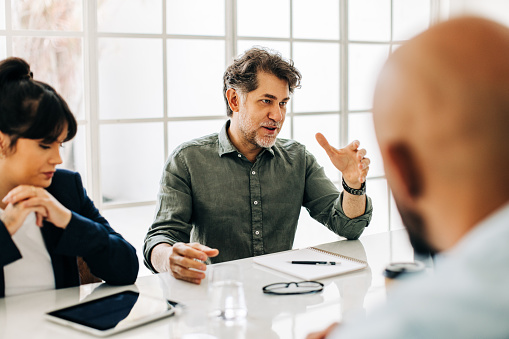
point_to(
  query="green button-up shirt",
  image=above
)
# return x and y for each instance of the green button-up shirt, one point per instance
(212, 194)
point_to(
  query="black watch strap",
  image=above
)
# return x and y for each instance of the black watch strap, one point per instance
(354, 191)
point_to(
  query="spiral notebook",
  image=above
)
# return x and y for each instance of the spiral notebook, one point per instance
(282, 262)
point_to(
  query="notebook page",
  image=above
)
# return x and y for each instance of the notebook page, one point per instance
(282, 262)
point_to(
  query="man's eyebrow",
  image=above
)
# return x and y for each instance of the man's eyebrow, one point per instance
(270, 96)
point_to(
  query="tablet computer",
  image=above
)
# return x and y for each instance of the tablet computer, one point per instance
(114, 313)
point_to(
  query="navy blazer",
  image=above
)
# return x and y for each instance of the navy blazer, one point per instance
(88, 235)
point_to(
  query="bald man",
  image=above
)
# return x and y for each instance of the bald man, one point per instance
(441, 114)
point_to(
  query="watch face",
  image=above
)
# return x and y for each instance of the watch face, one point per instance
(397, 269)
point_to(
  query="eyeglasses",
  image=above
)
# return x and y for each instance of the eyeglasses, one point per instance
(292, 288)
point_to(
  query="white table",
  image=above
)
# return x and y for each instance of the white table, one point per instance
(268, 317)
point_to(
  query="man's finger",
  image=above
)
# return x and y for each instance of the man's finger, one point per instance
(364, 163)
(210, 252)
(186, 250)
(354, 145)
(186, 274)
(324, 143)
(199, 246)
(361, 153)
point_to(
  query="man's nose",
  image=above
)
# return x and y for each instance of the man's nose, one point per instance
(276, 113)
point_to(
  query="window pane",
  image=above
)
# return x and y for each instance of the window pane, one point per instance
(395, 47)
(286, 131)
(364, 64)
(263, 18)
(304, 129)
(369, 20)
(130, 82)
(195, 77)
(3, 48)
(320, 77)
(410, 18)
(377, 191)
(360, 127)
(58, 62)
(317, 19)
(310, 232)
(182, 131)
(132, 158)
(282, 47)
(2, 20)
(129, 16)
(195, 17)
(74, 154)
(132, 223)
(53, 15)
(491, 9)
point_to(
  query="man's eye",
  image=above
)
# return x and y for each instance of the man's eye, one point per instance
(266, 101)
(44, 146)
(283, 103)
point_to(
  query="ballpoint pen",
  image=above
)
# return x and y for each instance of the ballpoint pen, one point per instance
(317, 262)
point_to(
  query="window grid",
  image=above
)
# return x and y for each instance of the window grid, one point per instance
(90, 40)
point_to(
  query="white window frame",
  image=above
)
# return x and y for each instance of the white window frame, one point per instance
(91, 36)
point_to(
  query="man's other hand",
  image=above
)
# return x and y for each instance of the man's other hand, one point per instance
(183, 261)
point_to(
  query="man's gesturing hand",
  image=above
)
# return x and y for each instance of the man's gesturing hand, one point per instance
(350, 160)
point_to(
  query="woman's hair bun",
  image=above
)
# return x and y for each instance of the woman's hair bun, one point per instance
(14, 69)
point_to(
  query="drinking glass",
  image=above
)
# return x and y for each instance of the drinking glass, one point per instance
(226, 291)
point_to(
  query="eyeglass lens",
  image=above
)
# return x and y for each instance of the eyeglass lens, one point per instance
(300, 287)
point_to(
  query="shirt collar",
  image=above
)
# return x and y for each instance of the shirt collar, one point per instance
(226, 146)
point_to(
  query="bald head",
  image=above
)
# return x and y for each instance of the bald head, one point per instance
(441, 114)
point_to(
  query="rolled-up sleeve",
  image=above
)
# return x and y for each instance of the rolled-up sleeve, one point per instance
(324, 203)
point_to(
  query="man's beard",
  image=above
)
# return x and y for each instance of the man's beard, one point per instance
(250, 132)
(416, 228)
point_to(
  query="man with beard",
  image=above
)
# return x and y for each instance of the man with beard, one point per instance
(239, 193)
(441, 113)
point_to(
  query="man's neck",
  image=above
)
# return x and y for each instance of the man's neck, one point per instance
(461, 215)
(249, 150)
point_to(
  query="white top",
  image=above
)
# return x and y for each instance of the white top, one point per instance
(33, 272)
(467, 297)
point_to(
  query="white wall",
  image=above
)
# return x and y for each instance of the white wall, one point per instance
(497, 10)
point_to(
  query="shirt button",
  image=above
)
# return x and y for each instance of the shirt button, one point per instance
(239, 155)
(253, 173)
(257, 232)
(255, 202)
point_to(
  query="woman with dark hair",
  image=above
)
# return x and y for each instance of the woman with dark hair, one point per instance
(46, 218)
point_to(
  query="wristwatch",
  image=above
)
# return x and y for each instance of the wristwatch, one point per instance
(354, 191)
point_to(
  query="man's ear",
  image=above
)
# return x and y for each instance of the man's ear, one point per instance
(405, 173)
(233, 99)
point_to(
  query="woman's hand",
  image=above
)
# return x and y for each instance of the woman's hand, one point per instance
(25, 199)
(14, 216)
